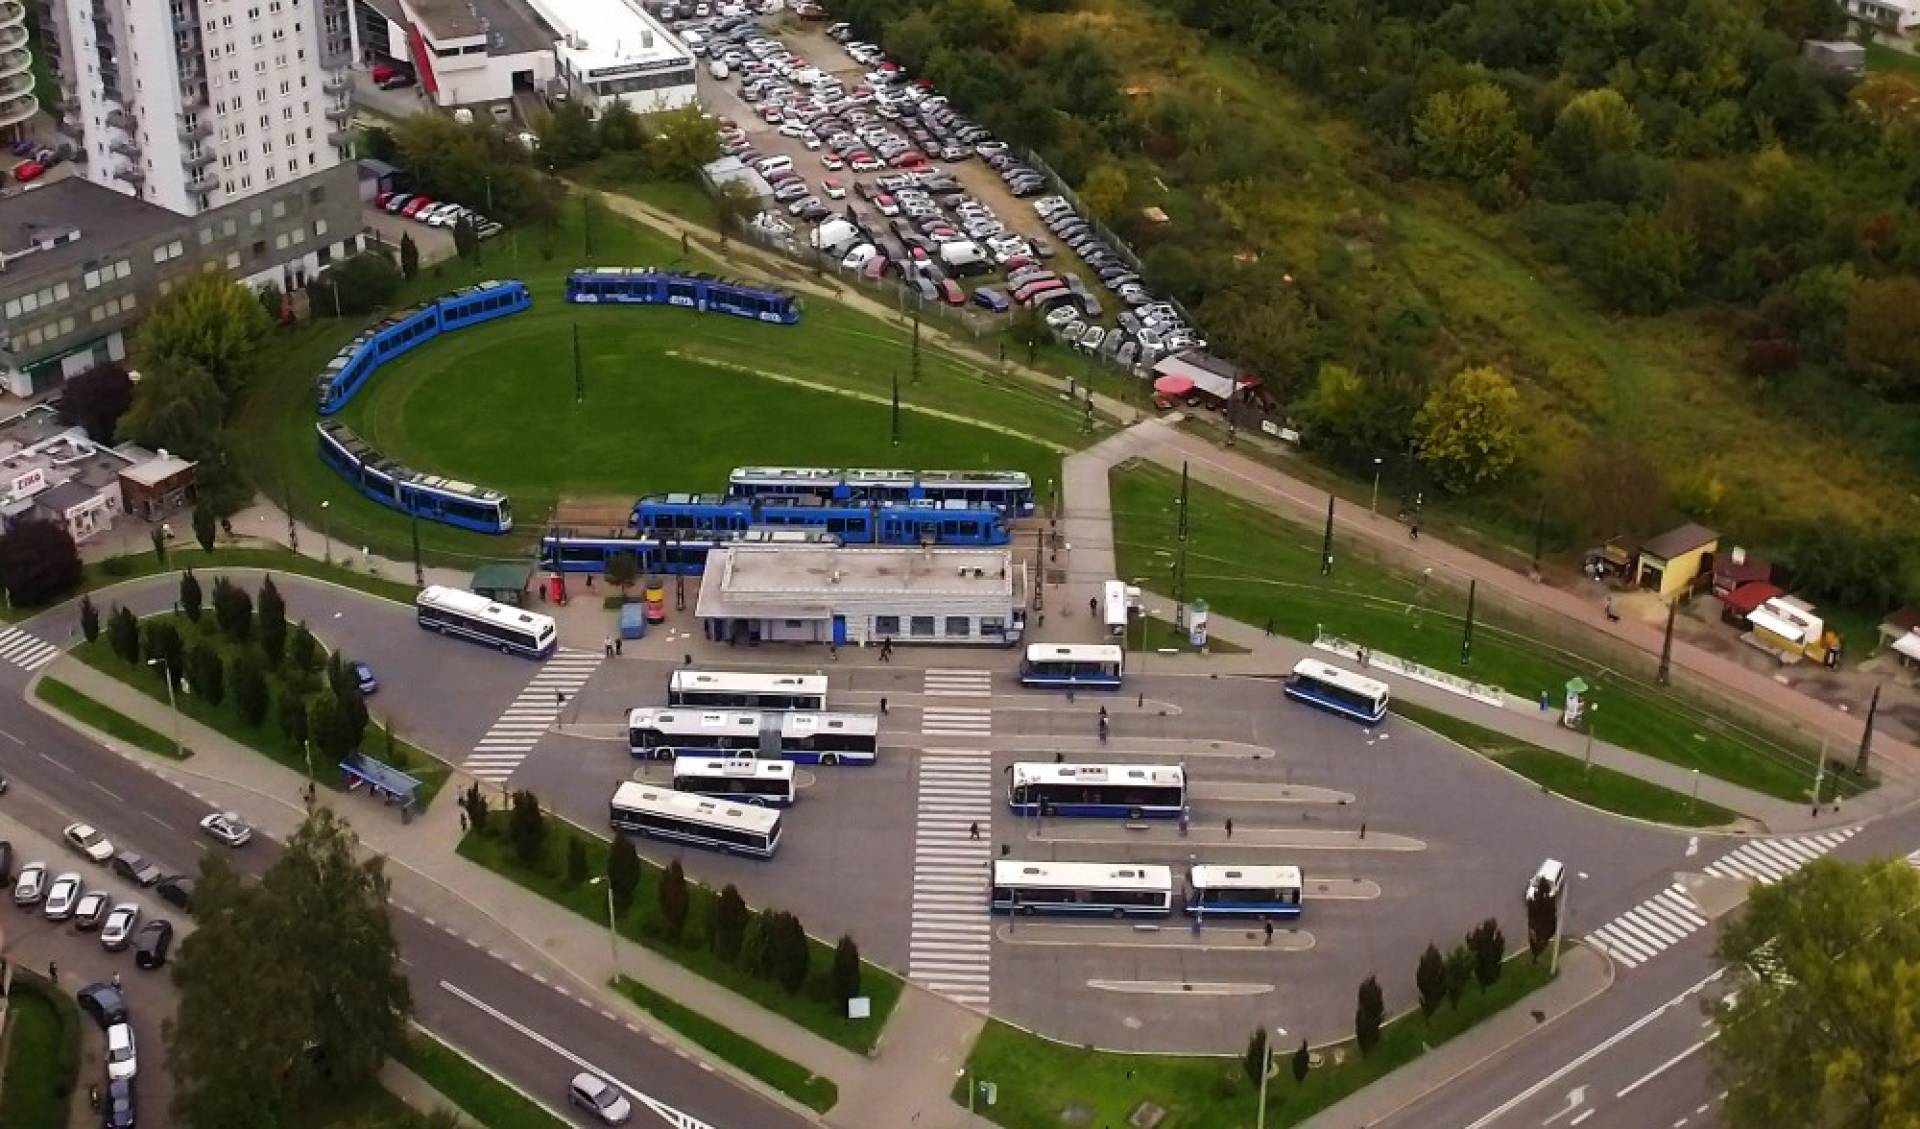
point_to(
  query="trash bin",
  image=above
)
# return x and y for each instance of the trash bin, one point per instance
(633, 621)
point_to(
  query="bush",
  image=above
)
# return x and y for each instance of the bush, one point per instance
(623, 873)
(361, 283)
(271, 622)
(730, 918)
(527, 827)
(251, 697)
(89, 619)
(1489, 947)
(791, 955)
(38, 562)
(303, 650)
(673, 901)
(207, 673)
(1254, 1061)
(123, 635)
(846, 970)
(190, 595)
(756, 944)
(477, 811)
(576, 861)
(1368, 1014)
(1431, 979)
(66, 1067)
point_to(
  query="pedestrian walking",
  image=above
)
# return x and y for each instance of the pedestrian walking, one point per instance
(606, 645)
(883, 707)
(686, 660)
(1103, 713)
(116, 979)
(833, 651)
(1229, 828)
(463, 823)
(589, 580)
(1093, 605)
(1059, 758)
(973, 830)
(53, 971)
(559, 699)
(1363, 829)
(1140, 701)
(617, 644)
(886, 649)
(1069, 695)
(1269, 926)
(1543, 701)
(1413, 528)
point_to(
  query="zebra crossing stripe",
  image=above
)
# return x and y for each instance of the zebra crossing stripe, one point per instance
(28, 652)
(506, 743)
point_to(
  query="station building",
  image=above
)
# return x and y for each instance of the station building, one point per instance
(863, 596)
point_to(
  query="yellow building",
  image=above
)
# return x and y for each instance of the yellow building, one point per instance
(1670, 563)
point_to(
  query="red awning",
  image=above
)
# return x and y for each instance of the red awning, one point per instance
(1173, 386)
(1744, 599)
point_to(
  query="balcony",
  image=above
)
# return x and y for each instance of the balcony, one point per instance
(202, 184)
(192, 100)
(340, 138)
(335, 83)
(196, 158)
(125, 146)
(119, 119)
(340, 112)
(194, 132)
(131, 174)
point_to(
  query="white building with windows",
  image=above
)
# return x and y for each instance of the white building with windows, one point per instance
(191, 104)
(862, 596)
(1899, 16)
(610, 49)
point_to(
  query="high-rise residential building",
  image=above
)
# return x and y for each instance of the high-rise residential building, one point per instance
(17, 102)
(191, 104)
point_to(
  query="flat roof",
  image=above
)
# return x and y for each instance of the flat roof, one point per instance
(822, 570)
(510, 27)
(1676, 542)
(611, 36)
(150, 469)
(104, 218)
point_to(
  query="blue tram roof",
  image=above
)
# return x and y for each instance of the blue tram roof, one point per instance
(343, 437)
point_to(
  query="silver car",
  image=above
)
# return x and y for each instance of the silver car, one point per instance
(62, 896)
(600, 1098)
(119, 928)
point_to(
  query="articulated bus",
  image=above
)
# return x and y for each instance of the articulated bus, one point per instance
(804, 738)
(1129, 791)
(1106, 888)
(477, 619)
(736, 778)
(643, 809)
(1058, 666)
(1337, 691)
(735, 689)
(1243, 891)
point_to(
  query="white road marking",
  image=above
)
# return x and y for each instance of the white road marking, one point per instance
(55, 763)
(108, 792)
(527, 718)
(158, 820)
(25, 651)
(11, 737)
(1665, 1066)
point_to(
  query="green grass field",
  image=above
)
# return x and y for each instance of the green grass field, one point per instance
(28, 1094)
(1253, 566)
(105, 718)
(672, 400)
(1595, 785)
(783, 1074)
(115, 570)
(1038, 1079)
(482, 1097)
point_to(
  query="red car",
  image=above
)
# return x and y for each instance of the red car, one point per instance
(28, 170)
(382, 200)
(911, 159)
(416, 205)
(951, 293)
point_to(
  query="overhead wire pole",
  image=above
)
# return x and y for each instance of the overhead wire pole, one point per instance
(1326, 542)
(1180, 562)
(1466, 634)
(1866, 735)
(896, 408)
(579, 373)
(1664, 676)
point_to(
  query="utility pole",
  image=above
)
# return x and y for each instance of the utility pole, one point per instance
(1539, 535)
(1326, 542)
(1180, 562)
(1466, 635)
(896, 408)
(413, 527)
(1373, 508)
(1664, 676)
(1866, 736)
(286, 504)
(579, 372)
(1819, 775)
(915, 376)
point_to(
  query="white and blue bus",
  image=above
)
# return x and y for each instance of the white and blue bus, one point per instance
(517, 631)
(736, 778)
(1065, 666)
(1103, 888)
(1337, 691)
(1129, 791)
(1243, 891)
(662, 813)
(805, 738)
(743, 690)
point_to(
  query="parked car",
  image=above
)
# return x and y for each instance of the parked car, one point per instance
(177, 891)
(104, 1003)
(28, 170)
(363, 677)
(6, 861)
(397, 80)
(121, 1059)
(150, 945)
(91, 910)
(228, 828)
(136, 868)
(600, 1098)
(118, 929)
(988, 298)
(83, 838)
(62, 895)
(119, 1111)
(30, 889)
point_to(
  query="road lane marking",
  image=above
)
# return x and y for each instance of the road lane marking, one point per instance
(11, 737)
(671, 1115)
(1665, 1066)
(158, 820)
(55, 763)
(108, 792)
(1581, 1118)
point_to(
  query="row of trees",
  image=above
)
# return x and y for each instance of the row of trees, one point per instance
(769, 943)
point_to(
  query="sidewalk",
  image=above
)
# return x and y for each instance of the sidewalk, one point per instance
(925, 1043)
(1584, 974)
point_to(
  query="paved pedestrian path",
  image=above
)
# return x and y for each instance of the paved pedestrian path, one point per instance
(520, 726)
(24, 650)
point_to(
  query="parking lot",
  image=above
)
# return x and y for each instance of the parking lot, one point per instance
(878, 172)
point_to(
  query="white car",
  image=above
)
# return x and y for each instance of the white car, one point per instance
(31, 885)
(600, 1098)
(62, 896)
(1062, 316)
(83, 838)
(120, 1055)
(859, 256)
(119, 926)
(227, 827)
(834, 189)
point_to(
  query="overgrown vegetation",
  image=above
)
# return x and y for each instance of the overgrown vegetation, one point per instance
(43, 1055)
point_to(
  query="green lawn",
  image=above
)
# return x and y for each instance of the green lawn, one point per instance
(482, 1097)
(496, 403)
(783, 1074)
(1596, 785)
(1883, 58)
(1253, 566)
(1038, 1079)
(114, 570)
(266, 738)
(105, 718)
(812, 1007)
(30, 1094)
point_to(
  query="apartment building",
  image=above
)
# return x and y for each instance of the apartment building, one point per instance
(194, 104)
(17, 102)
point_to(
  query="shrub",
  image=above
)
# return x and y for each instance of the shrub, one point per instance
(1368, 1014)
(89, 619)
(1254, 1061)
(673, 901)
(527, 827)
(38, 562)
(576, 861)
(623, 873)
(730, 917)
(190, 595)
(846, 970)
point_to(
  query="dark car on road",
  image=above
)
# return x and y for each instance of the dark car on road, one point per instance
(151, 944)
(177, 891)
(104, 1003)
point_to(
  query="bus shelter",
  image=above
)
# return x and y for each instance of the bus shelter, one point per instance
(382, 781)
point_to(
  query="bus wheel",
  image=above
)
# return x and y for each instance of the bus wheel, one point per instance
(1118, 913)
(1136, 813)
(830, 759)
(505, 650)
(1028, 910)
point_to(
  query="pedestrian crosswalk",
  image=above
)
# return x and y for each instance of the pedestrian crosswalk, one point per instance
(959, 683)
(1671, 916)
(1913, 860)
(519, 727)
(949, 949)
(25, 651)
(1770, 860)
(957, 721)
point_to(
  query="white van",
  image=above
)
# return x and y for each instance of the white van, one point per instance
(718, 70)
(1553, 873)
(767, 166)
(695, 42)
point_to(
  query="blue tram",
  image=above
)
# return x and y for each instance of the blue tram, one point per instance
(357, 360)
(1007, 490)
(566, 550)
(424, 495)
(880, 524)
(645, 286)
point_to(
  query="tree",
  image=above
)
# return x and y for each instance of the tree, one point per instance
(177, 410)
(190, 596)
(250, 694)
(730, 917)
(1543, 917)
(164, 645)
(233, 610)
(1471, 134)
(293, 717)
(89, 619)
(1489, 947)
(290, 990)
(158, 537)
(527, 827)
(123, 635)
(330, 724)
(466, 238)
(674, 900)
(1594, 124)
(474, 803)
(622, 570)
(576, 861)
(1644, 267)
(409, 257)
(1882, 320)
(1824, 1032)
(270, 622)
(1104, 192)
(273, 302)
(1459, 972)
(205, 526)
(623, 873)
(1431, 979)
(475, 164)
(97, 398)
(567, 136)
(38, 562)
(1302, 1062)
(756, 944)
(303, 651)
(846, 970)
(1469, 428)
(208, 673)
(1254, 1062)
(356, 285)
(620, 129)
(732, 203)
(685, 141)
(1368, 1014)
(791, 953)
(207, 323)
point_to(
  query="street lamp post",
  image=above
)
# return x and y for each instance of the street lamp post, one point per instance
(326, 538)
(1560, 921)
(1373, 508)
(613, 942)
(1266, 1068)
(1593, 715)
(173, 704)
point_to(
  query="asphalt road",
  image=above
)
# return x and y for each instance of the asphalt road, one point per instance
(527, 1035)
